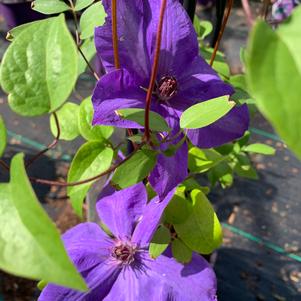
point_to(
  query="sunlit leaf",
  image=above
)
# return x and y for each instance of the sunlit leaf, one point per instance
(49, 7)
(39, 68)
(68, 121)
(81, 4)
(89, 51)
(3, 138)
(205, 113)
(135, 169)
(90, 160)
(274, 76)
(92, 17)
(260, 148)
(201, 231)
(30, 244)
(156, 121)
(89, 132)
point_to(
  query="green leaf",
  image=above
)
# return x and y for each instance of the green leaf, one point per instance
(205, 113)
(89, 51)
(160, 242)
(135, 169)
(200, 160)
(243, 167)
(191, 183)
(49, 7)
(274, 77)
(178, 209)
(39, 68)
(90, 160)
(81, 4)
(219, 64)
(222, 173)
(180, 251)
(3, 138)
(203, 28)
(260, 148)
(89, 132)
(41, 285)
(14, 32)
(67, 116)
(201, 231)
(156, 121)
(93, 17)
(30, 244)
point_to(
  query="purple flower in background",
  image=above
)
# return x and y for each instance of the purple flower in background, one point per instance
(183, 79)
(282, 9)
(120, 268)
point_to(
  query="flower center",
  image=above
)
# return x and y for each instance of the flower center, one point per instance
(124, 253)
(167, 88)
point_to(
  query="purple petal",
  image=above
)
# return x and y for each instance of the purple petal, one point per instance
(121, 210)
(114, 91)
(193, 281)
(169, 172)
(87, 245)
(230, 127)
(148, 224)
(164, 279)
(100, 281)
(199, 82)
(179, 43)
(133, 18)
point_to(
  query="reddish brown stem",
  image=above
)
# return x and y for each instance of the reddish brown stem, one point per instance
(66, 184)
(4, 165)
(220, 35)
(114, 33)
(154, 71)
(248, 12)
(51, 145)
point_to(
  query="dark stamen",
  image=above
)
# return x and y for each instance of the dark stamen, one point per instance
(124, 253)
(167, 88)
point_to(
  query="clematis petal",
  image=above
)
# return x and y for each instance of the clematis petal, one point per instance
(169, 172)
(114, 91)
(87, 245)
(230, 127)
(193, 281)
(150, 219)
(99, 280)
(179, 43)
(164, 279)
(121, 210)
(199, 82)
(133, 18)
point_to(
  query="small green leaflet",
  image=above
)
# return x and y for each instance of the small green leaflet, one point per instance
(92, 17)
(91, 159)
(160, 242)
(81, 4)
(156, 121)
(68, 121)
(89, 51)
(49, 7)
(89, 132)
(135, 169)
(205, 113)
(3, 137)
(259, 148)
(30, 244)
(43, 76)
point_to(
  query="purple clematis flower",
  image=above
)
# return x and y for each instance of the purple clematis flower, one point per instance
(282, 9)
(183, 79)
(120, 268)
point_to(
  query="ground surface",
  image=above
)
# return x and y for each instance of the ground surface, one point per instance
(259, 260)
